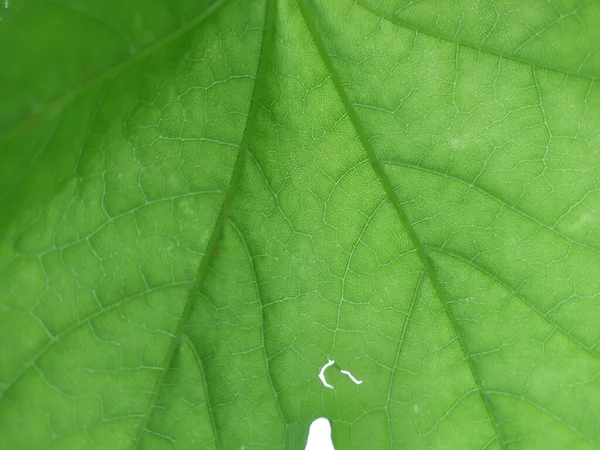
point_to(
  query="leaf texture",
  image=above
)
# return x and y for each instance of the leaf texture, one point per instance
(204, 202)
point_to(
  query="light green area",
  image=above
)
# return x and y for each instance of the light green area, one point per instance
(201, 202)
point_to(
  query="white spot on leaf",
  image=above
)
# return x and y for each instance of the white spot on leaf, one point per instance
(329, 363)
(354, 380)
(319, 435)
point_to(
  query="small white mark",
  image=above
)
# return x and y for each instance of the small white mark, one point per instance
(5, 4)
(354, 380)
(319, 435)
(329, 363)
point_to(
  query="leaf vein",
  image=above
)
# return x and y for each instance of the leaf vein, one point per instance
(399, 349)
(71, 328)
(514, 291)
(545, 410)
(495, 198)
(59, 102)
(402, 23)
(220, 223)
(211, 412)
(388, 188)
(259, 296)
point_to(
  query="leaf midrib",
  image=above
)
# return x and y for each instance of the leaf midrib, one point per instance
(388, 188)
(219, 225)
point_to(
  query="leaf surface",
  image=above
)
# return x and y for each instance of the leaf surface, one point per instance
(204, 202)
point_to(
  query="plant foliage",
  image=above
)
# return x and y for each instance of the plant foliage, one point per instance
(202, 202)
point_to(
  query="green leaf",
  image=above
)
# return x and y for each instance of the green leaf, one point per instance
(202, 202)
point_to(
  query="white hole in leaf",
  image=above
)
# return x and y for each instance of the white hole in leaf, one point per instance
(354, 380)
(329, 363)
(319, 435)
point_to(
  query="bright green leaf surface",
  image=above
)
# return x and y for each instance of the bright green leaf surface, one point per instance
(202, 202)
